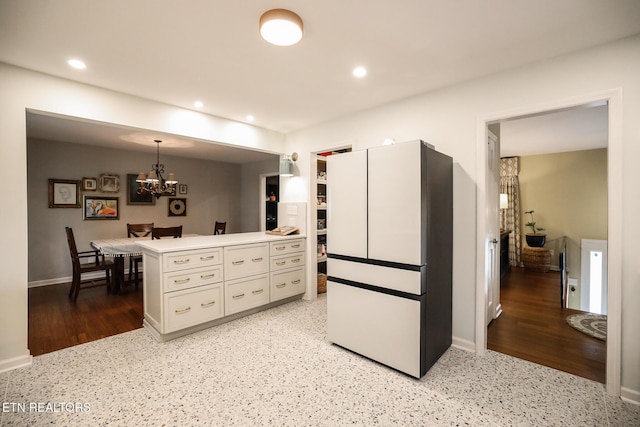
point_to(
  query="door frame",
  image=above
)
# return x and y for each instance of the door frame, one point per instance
(614, 220)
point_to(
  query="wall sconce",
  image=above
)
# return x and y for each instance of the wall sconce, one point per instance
(286, 164)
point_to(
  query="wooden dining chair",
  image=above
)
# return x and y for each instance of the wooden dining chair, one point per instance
(159, 232)
(219, 227)
(137, 230)
(80, 265)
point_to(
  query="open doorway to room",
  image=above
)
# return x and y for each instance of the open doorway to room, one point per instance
(565, 183)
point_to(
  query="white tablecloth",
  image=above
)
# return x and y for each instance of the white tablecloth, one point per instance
(119, 247)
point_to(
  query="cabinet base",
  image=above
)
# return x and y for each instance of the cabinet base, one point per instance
(187, 331)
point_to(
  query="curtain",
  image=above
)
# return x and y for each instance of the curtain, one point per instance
(510, 185)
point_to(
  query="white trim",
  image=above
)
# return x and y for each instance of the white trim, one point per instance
(463, 344)
(68, 279)
(15, 363)
(630, 396)
(614, 226)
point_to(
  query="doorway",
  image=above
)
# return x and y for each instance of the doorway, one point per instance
(614, 215)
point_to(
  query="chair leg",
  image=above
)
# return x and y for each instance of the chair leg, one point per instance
(74, 283)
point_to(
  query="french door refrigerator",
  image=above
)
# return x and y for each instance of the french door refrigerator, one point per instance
(390, 215)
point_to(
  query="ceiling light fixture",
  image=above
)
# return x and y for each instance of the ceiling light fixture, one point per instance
(77, 64)
(359, 72)
(155, 184)
(281, 27)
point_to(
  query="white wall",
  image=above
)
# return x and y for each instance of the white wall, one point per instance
(21, 90)
(448, 119)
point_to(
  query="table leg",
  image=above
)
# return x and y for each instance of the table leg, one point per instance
(118, 279)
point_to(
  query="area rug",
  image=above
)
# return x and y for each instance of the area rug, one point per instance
(594, 325)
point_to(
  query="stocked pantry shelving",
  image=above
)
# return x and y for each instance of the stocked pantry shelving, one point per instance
(322, 238)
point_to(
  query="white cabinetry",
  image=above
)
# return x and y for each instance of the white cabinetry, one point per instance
(287, 264)
(183, 289)
(193, 283)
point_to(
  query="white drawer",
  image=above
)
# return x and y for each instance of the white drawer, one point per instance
(175, 261)
(286, 283)
(193, 306)
(185, 279)
(289, 261)
(243, 294)
(286, 247)
(245, 260)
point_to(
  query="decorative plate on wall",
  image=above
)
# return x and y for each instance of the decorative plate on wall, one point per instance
(177, 207)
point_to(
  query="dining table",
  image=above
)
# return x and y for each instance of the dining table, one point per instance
(119, 249)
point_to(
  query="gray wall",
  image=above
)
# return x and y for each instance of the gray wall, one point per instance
(215, 192)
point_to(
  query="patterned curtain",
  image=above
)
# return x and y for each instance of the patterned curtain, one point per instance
(510, 185)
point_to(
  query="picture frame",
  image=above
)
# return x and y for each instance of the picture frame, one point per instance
(133, 198)
(100, 207)
(182, 188)
(89, 184)
(64, 193)
(177, 206)
(109, 183)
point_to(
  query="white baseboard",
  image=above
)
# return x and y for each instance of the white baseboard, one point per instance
(67, 279)
(630, 396)
(15, 363)
(463, 344)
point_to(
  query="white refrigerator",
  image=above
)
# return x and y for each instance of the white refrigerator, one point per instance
(389, 216)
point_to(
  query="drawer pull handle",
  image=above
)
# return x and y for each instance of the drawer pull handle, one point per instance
(256, 259)
(238, 262)
(294, 261)
(281, 285)
(208, 276)
(183, 310)
(181, 281)
(181, 261)
(258, 291)
(207, 258)
(297, 245)
(238, 296)
(207, 304)
(295, 282)
(280, 248)
(281, 262)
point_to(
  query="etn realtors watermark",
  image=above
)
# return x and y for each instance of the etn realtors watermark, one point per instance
(51, 407)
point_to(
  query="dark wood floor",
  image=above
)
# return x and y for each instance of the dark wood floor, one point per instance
(533, 327)
(55, 322)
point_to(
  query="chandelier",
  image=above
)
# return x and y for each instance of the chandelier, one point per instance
(155, 183)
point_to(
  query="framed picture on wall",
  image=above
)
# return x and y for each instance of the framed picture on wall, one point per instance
(177, 206)
(64, 193)
(89, 184)
(101, 207)
(109, 183)
(133, 198)
(182, 188)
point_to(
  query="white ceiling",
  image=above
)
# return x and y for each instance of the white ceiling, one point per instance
(210, 50)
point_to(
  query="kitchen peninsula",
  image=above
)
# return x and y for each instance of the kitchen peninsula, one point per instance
(197, 282)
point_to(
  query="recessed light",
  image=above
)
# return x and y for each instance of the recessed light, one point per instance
(77, 64)
(359, 72)
(250, 118)
(198, 104)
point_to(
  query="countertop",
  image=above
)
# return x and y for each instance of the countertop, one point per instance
(204, 242)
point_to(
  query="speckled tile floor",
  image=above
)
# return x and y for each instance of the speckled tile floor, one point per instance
(276, 368)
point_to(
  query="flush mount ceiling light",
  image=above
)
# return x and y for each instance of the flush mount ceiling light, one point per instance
(281, 27)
